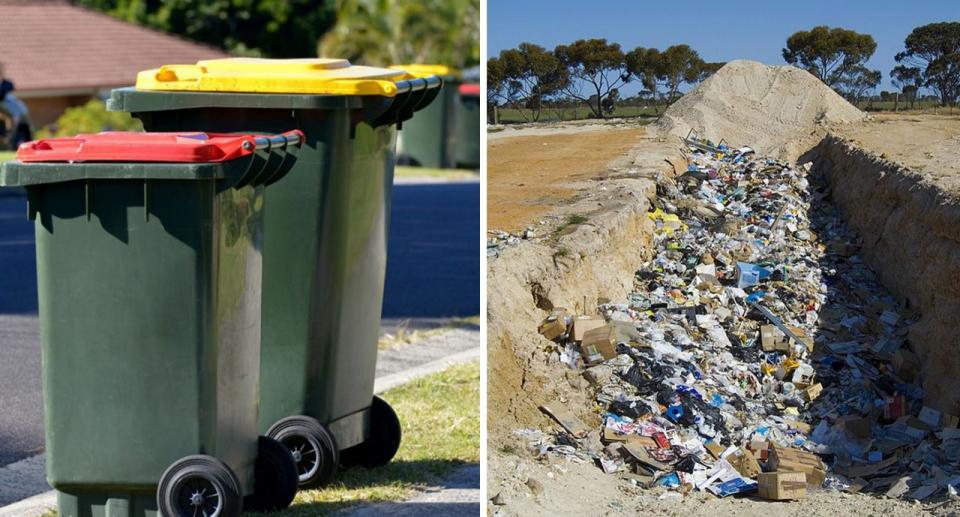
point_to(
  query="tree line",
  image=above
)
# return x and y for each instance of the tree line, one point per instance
(371, 32)
(592, 71)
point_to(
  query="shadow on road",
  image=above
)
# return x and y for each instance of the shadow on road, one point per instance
(18, 268)
(433, 263)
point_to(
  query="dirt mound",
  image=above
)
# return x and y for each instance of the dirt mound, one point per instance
(779, 110)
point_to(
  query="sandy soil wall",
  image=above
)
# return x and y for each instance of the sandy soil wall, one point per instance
(911, 238)
(591, 261)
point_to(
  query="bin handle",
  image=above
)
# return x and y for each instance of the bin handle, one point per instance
(266, 142)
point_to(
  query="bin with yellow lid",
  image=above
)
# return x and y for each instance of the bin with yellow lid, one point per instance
(430, 139)
(325, 233)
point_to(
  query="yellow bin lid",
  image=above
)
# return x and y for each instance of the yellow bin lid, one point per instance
(421, 70)
(316, 76)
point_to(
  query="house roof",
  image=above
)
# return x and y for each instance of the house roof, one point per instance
(53, 47)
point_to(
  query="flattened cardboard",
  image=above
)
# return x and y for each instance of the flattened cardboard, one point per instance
(566, 419)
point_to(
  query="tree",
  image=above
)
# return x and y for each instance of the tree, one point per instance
(593, 64)
(935, 50)
(943, 76)
(829, 53)
(272, 28)
(496, 79)
(392, 32)
(708, 69)
(679, 64)
(858, 80)
(644, 64)
(908, 79)
(531, 74)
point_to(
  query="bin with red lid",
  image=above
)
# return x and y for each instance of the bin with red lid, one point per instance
(149, 277)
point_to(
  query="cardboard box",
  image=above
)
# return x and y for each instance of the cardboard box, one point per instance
(782, 486)
(744, 462)
(857, 427)
(813, 391)
(715, 449)
(553, 326)
(599, 344)
(906, 364)
(795, 460)
(798, 425)
(772, 340)
(583, 324)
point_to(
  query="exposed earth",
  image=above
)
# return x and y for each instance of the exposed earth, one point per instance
(907, 168)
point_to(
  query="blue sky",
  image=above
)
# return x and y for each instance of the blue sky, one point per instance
(719, 30)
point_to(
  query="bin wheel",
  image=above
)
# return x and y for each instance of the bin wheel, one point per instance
(382, 443)
(199, 485)
(313, 447)
(274, 478)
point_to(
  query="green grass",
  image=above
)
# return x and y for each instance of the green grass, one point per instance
(647, 114)
(403, 171)
(7, 155)
(571, 221)
(440, 414)
(404, 336)
(888, 106)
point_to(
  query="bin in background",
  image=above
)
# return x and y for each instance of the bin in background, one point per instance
(430, 138)
(468, 127)
(325, 240)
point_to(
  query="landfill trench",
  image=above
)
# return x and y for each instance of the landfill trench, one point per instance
(785, 346)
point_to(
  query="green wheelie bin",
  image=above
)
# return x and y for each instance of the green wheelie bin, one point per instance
(430, 139)
(325, 239)
(468, 127)
(149, 278)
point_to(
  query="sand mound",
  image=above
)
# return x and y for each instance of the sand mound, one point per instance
(778, 110)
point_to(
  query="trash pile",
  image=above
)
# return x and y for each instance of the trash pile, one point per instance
(757, 353)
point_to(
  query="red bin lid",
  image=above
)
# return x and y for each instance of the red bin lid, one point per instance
(119, 146)
(470, 89)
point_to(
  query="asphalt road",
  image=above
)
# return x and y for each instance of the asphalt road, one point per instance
(433, 271)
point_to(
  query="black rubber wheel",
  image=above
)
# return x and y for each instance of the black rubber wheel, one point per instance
(382, 443)
(313, 447)
(199, 486)
(274, 478)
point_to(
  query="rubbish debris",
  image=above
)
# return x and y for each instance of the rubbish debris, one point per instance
(756, 353)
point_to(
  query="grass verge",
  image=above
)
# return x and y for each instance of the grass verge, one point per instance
(403, 171)
(404, 336)
(440, 414)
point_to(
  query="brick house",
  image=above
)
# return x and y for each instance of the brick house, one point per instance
(59, 55)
